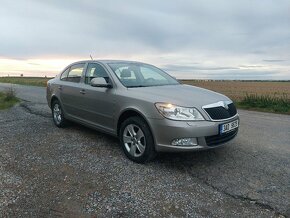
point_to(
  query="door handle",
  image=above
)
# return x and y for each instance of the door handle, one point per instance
(83, 91)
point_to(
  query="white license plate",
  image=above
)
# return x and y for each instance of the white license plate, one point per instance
(226, 127)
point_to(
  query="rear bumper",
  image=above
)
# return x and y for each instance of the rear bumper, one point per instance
(206, 134)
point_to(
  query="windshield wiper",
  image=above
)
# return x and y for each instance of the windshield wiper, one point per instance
(136, 86)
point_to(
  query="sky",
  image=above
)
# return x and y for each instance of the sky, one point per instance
(200, 39)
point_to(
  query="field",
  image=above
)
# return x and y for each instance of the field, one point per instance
(238, 90)
(268, 96)
(31, 81)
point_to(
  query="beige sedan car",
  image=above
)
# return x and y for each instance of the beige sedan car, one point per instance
(148, 110)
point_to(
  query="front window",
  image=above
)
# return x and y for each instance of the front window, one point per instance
(95, 70)
(141, 75)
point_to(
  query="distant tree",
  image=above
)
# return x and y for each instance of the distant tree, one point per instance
(21, 74)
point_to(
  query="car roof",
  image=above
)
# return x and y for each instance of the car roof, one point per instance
(107, 61)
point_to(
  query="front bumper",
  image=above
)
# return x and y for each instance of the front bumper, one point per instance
(206, 132)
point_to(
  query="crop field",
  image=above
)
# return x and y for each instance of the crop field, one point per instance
(238, 90)
(30, 81)
(267, 96)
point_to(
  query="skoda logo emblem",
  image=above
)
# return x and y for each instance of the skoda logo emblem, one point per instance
(226, 106)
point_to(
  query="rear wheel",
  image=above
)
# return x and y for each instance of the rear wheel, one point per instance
(137, 140)
(57, 114)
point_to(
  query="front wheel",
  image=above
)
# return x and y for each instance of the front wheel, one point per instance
(57, 114)
(137, 140)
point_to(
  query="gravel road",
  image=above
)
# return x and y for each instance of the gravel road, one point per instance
(78, 172)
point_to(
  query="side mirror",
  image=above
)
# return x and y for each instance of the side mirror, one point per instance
(100, 82)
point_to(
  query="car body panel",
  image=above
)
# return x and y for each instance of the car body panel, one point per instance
(71, 98)
(168, 130)
(181, 95)
(99, 105)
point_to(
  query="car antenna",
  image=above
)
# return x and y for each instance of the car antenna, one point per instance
(91, 57)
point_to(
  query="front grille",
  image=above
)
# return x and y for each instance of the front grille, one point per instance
(220, 139)
(219, 113)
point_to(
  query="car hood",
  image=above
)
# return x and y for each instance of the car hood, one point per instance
(182, 95)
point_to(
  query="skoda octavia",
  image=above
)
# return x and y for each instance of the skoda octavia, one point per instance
(148, 110)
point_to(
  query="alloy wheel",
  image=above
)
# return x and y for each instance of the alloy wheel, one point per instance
(134, 140)
(57, 114)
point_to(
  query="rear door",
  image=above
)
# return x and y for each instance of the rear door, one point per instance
(71, 90)
(98, 102)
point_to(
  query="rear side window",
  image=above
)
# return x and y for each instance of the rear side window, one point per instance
(95, 70)
(75, 73)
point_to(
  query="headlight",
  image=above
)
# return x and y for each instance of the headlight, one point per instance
(175, 112)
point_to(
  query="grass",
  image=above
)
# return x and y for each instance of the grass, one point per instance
(30, 81)
(8, 99)
(265, 103)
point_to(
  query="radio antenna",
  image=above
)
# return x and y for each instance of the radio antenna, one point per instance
(91, 57)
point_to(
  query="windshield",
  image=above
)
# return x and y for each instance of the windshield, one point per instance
(141, 75)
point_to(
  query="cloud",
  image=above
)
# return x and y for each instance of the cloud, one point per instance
(269, 60)
(251, 66)
(221, 36)
(191, 68)
(231, 75)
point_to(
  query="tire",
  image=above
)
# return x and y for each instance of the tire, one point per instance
(137, 140)
(57, 114)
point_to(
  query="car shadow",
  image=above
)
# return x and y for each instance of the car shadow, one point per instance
(204, 156)
(89, 132)
(195, 158)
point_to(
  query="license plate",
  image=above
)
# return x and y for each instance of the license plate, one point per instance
(227, 127)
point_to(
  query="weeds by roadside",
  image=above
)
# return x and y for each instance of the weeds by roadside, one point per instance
(8, 98)
(275, 104)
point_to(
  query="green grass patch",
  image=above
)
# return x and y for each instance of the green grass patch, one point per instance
(265, 103)
(30, 81)
(7, 99)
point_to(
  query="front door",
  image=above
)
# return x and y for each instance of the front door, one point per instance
(98, 102)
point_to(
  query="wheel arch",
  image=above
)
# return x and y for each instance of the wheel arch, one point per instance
(130, 112)
(53, 98)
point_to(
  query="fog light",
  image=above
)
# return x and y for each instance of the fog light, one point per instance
(184, 142)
